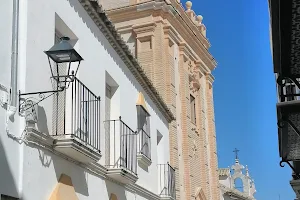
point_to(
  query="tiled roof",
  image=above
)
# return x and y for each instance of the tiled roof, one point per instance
(234, 193)
(100, 18)
(224, 171)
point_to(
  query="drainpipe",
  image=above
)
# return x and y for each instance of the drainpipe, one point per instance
(12, 108)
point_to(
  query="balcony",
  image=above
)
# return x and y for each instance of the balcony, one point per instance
(144, 147)
(166, 182)
(121, 151)
(76, 123)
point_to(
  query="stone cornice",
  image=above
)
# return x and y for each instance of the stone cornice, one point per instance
(210, 78)
(203, 69)
(100, 18)
(183, 50)
(170, 33)
(178, 19)
(125, 29)
(187, 51)
(145, 29)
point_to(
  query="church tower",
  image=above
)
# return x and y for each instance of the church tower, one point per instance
(228, 178)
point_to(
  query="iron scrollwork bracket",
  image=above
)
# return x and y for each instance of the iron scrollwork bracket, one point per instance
(28, 103)
(281, 124)
(282, 81)
(296, 174)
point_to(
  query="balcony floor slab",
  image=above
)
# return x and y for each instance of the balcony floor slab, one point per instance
(76, 148)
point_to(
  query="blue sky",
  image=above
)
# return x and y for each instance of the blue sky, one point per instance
(244, 91)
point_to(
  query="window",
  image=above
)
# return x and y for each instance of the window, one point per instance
(144, 132)
(143, 119)
(193, 109)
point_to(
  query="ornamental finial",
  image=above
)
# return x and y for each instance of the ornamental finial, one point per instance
(188, 5)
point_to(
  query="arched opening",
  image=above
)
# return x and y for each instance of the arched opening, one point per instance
(238, 184)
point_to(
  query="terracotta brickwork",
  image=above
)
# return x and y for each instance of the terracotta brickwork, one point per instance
(171, 45)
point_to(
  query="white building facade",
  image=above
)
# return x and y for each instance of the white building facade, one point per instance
(103, 135)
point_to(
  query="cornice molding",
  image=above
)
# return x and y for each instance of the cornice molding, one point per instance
(171, 34)
(177, 17)
(202, 68)
(144, 30)
(124, 29)
(210, 78)
(100, 18)
(187, 51)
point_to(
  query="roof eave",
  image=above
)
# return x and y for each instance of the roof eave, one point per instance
(100, 18)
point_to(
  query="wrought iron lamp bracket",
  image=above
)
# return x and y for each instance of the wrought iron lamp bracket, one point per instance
(296, 174)
(24, 99)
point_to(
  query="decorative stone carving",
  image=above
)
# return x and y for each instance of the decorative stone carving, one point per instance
(194, 77)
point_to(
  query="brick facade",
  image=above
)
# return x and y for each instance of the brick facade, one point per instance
(173, 52)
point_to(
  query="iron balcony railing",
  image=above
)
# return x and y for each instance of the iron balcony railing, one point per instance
(76, 113)
(166, 180)
(144, 144)
(121, 145)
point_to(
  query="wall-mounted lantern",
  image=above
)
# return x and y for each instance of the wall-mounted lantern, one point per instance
(63, 55)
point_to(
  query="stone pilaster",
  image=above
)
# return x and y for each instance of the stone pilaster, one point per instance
(212, 138)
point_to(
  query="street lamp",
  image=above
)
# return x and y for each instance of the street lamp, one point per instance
(63, 55)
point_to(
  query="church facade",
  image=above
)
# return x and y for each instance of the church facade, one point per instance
(169, 41)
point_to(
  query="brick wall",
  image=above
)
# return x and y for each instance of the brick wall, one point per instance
(197, 167)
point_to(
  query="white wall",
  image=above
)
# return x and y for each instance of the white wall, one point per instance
(41, 167)
(9, 150)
